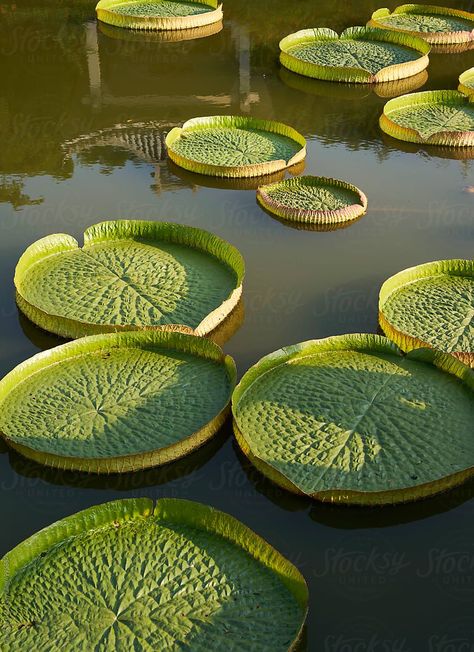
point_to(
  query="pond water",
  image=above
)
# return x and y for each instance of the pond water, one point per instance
(393, 579)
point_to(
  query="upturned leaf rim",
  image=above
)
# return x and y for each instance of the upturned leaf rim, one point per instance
(346, 74)
(365, 343)
(140, 230)
(238, 122)
(105, 14)
(435, 38)
(174, 341)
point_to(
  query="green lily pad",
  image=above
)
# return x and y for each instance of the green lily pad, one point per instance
(314, 200)
(117, 402)
(359, 54)
(431, 305)
(439, 25)
(466, 82)
(431, 117)
(159, 14)
(235, 147)
(131, 575)
(350, 419)
(129, 275)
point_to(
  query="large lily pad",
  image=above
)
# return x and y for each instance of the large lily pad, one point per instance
(129, 275)
(466, 82)
(232, 146)
(117, 402)
(431, 117)
(316, 201)
(359, 54)
(131, 575)
(431, 305)
(438, 25)
(351, 419)
(159, 14)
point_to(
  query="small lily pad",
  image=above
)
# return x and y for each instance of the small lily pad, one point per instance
(131, 575)
(359, 54)
(431, 305)
(351, 419)
(235, 147)
(159, 14)
(117, 402)
(314, 200)
(129, 275)
(431, 118)
(437, 25)
(466, 82)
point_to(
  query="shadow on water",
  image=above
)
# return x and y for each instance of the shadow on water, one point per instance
(246, 183)
(345, 517)
(308, 226)
(121, 481)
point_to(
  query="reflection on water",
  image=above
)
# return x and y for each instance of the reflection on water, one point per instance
(74, 101)
(352, 92)
(169, 36)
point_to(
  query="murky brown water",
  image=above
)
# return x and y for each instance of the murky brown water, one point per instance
(399, 579)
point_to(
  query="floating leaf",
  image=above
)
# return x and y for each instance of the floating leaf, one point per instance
(431, 117)
(159, 14)
(160, 36)
(360, 54)
(466, 82)
(431, 305)
(350, 419)
(231, 146)
(438, 25)
(131, 575)
(314, 200)
(117, 402)
(129, 275)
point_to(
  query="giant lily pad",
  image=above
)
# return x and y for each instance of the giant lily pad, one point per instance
(159, 14)
(466, 82)
(129, 275)
(438, 25)
(314, 200)
(360, 54)
(232, 146)
(117, 402)
(431, 305)
(131, 575)
(351, 419)
(432, 118)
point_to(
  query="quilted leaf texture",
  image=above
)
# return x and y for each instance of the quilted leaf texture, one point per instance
(160, 8)
(359, 54)
(129, 275)
(431, 117)
(431, 305)
(117, 402)
(436, 24)
(314, 200)
(161, 15)
(350, 419)
(232, 146)
(131, 576)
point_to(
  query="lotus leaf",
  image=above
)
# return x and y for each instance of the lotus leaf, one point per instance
(159, 14)
(431, 117)
(351, 419)
(129, 275)
(228, 146)
(438, 25)
(360, 54)
(431, 305)
(314, 200)
(117, 402)
(131, 575)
